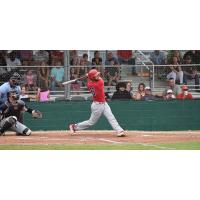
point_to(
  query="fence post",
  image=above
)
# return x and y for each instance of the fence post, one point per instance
(153, 81)
(67, 73)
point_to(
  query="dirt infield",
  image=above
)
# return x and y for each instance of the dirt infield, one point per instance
(99, 137)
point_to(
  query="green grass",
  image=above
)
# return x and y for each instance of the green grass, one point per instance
(155, 146)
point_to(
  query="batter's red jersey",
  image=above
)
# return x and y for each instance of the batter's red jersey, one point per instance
(181, 96)
(97, 90)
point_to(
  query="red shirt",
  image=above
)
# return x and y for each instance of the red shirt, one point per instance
(181, 96)
(97, 90)
(126, 54)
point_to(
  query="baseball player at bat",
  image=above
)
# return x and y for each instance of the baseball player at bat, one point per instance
(99, 106)
(10, 115)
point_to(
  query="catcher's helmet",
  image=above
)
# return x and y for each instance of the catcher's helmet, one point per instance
(13, 94)
(184, 87)
(93, 73)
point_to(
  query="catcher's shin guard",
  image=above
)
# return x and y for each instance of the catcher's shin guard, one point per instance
(9, 122)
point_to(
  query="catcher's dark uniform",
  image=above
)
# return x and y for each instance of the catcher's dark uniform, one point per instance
(11, 117)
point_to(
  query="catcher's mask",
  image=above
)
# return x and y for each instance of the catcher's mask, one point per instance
(13, 96)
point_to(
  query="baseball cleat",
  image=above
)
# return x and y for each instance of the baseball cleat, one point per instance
(72, 128)
(121, 134)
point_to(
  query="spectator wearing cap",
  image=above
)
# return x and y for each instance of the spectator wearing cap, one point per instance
(172, 86)
(185, 94)
(11, 85)
(121, 92)
(169, 95)
(140, 92)
(148, 94)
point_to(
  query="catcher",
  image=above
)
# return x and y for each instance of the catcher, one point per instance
(11, 117)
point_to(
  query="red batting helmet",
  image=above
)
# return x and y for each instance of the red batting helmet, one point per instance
(184, 87)
(93, 73)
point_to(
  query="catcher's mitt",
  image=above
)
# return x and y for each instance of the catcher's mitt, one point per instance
(36, 114)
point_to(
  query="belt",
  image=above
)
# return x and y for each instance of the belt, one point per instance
(99, 102)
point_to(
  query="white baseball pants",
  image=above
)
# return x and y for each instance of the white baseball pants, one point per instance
(97, 109)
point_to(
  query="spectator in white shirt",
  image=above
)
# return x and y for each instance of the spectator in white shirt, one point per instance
(12, 61)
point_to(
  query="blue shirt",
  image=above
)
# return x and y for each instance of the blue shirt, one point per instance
(5, 88)
(58, 73)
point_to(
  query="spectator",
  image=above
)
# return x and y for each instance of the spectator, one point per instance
(126, 57)
(2, 63)
(121, 92)
(190, 72)
(158, 57)
(57, 76)
(97, 60)
(112, 74)
(172, 86)
(24, 94)
(174, 53)
(194, 55)
(176, 71)
(169, 95)
(74, 60)
(2, 59)
(185, 94)
(26, 57)
(12, 61)
(141, 92)
(84, 60)
(110, 59)
(43, 95)
(57, 56)
(148, 95)
(129, 88)
(30, 80)
(43, 76)
(73, 75)
(41, 57)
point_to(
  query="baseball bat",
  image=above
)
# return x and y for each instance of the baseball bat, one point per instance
(74, 80)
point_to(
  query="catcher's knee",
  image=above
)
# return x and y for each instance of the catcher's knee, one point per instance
(12, 120)
(27, 132)
(9, 122)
